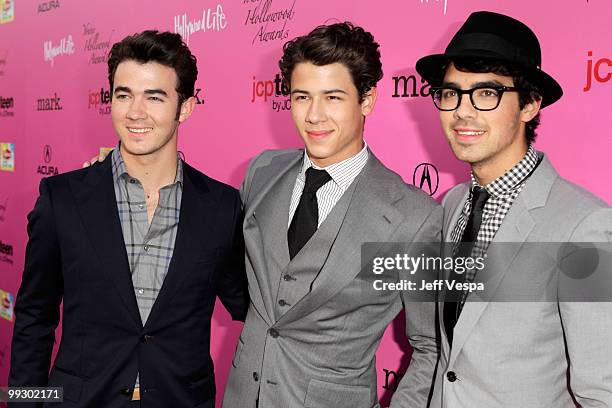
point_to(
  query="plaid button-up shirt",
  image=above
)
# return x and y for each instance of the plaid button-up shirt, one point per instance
(149, 246)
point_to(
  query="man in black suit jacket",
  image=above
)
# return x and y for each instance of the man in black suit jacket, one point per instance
(137, 248)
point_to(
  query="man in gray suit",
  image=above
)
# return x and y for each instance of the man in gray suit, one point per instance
(489, 88)
(315, 322)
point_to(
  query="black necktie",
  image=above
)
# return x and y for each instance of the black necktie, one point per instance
(306, 218)
(452, 309)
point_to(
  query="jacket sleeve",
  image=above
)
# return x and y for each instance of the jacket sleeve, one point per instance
(37, 308)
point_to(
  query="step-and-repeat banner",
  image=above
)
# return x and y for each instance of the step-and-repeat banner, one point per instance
(55, 103)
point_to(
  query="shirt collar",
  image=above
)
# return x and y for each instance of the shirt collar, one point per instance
(341, 172)
(120, 171)
(513, 178)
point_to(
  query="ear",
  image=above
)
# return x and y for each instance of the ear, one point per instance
(186, 109)
(369, 100)
(530, 110)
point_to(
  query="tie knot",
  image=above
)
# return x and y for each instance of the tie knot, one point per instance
(479, 198)
(315, 179)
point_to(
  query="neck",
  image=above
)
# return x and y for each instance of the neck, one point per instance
(155, 170)
(489, 170)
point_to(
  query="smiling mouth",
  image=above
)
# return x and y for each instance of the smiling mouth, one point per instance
(468, 135)
(139, 130)
(318, 134)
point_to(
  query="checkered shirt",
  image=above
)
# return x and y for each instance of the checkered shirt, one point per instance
(503, 191)
(149, 247)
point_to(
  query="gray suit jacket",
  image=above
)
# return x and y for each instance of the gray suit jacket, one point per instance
(317, 347)
(519, 354)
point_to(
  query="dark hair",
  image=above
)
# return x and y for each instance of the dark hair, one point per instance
(165, 48)
(342, 42)
(529, 91)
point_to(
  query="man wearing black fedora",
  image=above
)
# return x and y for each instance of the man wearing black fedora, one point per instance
(489, 88)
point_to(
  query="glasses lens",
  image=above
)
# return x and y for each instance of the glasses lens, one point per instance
(446, 98)
(486, 98)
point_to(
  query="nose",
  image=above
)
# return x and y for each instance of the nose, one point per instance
(136, 109)
(316, 111)
(465, 110)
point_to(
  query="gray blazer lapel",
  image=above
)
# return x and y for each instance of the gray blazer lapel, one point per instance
(265, 225)
(515, 228)
(371, 217)
(453, 206)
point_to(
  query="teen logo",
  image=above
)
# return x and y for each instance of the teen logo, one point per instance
(7, 303)
(3, 63)
(6, 253)
(49, 104)
(211, 20)
(426, 175)
(97, 46)
(7, 156)
(410, 86)
(100, 100)
(270, 20)
(7, 11)
(275, 90)
(51, 50)
(7, 104)
(47, 169)
(48, 6)
(595, 71)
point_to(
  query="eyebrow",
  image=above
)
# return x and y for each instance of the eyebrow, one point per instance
(492, 83)
(325, 92)
(147, 91)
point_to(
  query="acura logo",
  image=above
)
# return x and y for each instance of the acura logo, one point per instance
(47, 154)
(425, 177)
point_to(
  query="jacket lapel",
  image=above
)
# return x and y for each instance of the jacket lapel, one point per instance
(372, 217)
(97, 206)
(196, 223)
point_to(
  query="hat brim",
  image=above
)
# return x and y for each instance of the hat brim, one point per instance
(430, 68)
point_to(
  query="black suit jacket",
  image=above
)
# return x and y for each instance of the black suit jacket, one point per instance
(76, 254)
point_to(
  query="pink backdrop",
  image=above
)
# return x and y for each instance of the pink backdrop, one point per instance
(54, 110)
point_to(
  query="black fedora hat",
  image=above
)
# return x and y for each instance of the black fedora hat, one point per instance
(497, 37)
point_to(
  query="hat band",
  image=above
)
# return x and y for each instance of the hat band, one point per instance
(492, 43)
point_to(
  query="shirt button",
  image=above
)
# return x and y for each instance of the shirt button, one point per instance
(141, 206)
(287, 278)
(140, 291)
(273, 333)
(282, 302)
(146, 248)
(451, 376)
(255, 376)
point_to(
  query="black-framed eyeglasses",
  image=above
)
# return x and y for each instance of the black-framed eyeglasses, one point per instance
(483, 98)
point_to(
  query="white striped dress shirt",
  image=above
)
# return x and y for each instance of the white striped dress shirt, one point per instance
(342, 175)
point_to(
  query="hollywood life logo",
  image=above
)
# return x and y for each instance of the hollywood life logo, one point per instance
(7, 156)
(594, 71)
(3, 63)
(271, 21)
(65, 46)
(98, 47)
(7, 11)
(47, 169)
(409, 86)
(3, 206)
(211, 20)
(49, 104)
(7, 304)
(48, 6)
(6, 253)
(275, 90)
(426, 175)
(7, 105)
(100, 100)
(437, 1)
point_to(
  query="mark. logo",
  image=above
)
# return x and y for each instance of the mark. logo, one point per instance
(49, 104)
(424, 173)
(409, 86)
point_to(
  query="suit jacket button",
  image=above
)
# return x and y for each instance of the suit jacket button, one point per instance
(255, 376)
(273, 332)
(287, 278)
(282, 302)
(451, 376)
(126, 391)
(146, 338)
